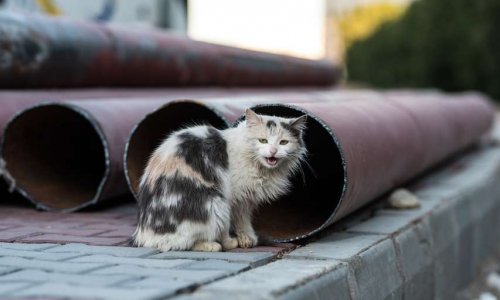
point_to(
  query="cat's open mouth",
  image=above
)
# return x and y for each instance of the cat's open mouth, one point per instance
(272, 161)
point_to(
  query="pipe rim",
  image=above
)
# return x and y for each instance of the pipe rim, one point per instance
(139, 124)
(343, 161)
(100, 134)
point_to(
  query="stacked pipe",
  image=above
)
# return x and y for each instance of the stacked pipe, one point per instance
(66, 154)
(361, 145)
(39, 51)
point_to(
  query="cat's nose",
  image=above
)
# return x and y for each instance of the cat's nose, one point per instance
(273, 150)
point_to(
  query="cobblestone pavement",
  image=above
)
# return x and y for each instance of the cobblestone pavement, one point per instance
(376, 253)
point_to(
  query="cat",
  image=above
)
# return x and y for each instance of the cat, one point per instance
(202, 182)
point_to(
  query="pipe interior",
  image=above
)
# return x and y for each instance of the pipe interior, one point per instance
(55, 155)
(155, 127)
(315, 196)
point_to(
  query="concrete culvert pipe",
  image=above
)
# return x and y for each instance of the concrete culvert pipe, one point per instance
(359, 150)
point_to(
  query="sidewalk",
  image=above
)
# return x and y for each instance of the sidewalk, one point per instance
(377, 253)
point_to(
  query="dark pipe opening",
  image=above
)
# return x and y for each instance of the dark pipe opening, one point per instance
(314, 198)
(150, 132)
(57, 156)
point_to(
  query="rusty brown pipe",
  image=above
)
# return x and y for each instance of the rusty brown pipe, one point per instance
(68, 155)
(92, 116)
(359, 150)
(42, 51)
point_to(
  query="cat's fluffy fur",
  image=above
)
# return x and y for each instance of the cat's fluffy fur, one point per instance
(201, 180)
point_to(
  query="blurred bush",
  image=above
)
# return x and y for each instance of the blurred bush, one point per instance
(363, 20)
(448, 44)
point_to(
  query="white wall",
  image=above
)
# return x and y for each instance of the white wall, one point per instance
(294, 27)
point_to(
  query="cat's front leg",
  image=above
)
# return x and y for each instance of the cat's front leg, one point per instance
(242, 220)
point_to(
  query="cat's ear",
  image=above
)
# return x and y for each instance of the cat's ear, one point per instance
(299, 123)
(252, 118)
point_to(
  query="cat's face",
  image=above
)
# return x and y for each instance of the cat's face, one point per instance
(275, 140)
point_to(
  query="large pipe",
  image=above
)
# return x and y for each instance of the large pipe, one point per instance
(68, 155)
(14, 101)
(359, 150)
(41, 51)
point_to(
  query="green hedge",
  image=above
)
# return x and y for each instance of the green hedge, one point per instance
(448, 44)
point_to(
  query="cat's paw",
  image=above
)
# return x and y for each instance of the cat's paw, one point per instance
(247, 240)
(229, 243)
(207, 247)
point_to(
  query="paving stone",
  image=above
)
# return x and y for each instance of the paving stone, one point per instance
(90, 240)
(7, 270)
(64, 267)
(275, 278)
(225, 295)
(9, 287)
(376, 273)
(342, 246)
(16, 233)
(159, 282)
(145, 262)
(5, 226)
(445, 247)
(415, 257)
(254, 258)
(383, 224)
(118, 233)
(215, 264)
(115, 251)
(72, 291)
(28, 247)
(197, 276)
(76, 279)
(333, 285)
(38, 255)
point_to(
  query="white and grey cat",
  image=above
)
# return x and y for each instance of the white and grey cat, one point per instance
(200, 182)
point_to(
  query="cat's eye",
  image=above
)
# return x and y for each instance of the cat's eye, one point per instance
(283, 142)
(263, 141)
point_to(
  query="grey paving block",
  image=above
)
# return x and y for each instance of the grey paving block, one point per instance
(39, 276)
(145, 262)
(383, 224)
(73, 291)
(333, 285)
(224, 295)
(444, 226)
(275, 278)
(109, 250)
(64, 267)
(215, 264)
(27, 247)
(415, 257)
(38, 254)
(158, 282)
(6, 270)
(341, 246)
(198, 276)
(7, 288)
(254, 258)
(376, 273)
